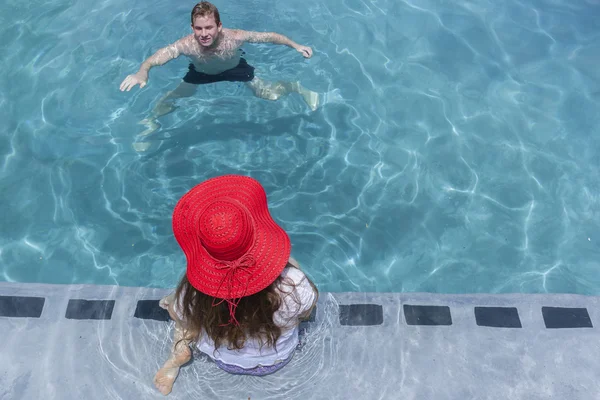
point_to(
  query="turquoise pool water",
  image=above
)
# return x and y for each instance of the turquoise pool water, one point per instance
(456, 150)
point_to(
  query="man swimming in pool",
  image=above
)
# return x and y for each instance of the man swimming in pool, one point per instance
(215, 56)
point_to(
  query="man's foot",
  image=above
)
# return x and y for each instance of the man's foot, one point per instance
(165, 377)
(151, 126)
(311, 98)
(141, 146)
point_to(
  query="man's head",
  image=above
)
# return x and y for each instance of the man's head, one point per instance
(206, 23)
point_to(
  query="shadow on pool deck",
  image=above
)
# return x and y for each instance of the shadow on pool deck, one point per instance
(106, 342)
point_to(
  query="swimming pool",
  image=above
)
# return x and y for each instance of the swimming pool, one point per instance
(456, 150)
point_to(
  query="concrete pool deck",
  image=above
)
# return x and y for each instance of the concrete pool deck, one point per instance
(106, 342)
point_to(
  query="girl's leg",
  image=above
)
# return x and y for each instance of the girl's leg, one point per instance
(180, 354)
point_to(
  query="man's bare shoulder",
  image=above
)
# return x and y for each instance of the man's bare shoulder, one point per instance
(186, 45)
(249, 36)
(234, 34)
(187, 39)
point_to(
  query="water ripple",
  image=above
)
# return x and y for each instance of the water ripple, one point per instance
(455, 150)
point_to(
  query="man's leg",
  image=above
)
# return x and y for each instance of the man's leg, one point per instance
(275, 90)
(164, 106)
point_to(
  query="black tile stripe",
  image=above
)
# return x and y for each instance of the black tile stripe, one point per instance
(427, 315)
(21, 306)
(562, 317)
(352, 315)
(361, 314)
(89, 309)
(149, 309)
(498, 317)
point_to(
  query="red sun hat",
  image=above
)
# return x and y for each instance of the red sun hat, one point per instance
(232, 245)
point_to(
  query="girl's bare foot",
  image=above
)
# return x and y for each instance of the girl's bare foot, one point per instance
(165, 377)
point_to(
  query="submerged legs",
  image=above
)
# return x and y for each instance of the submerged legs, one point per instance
(164, 106)
(275, 90)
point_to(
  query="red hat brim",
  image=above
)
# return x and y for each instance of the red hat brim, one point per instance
(270, 248)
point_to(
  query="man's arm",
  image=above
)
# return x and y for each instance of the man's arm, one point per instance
(272, 37)
(161, 57)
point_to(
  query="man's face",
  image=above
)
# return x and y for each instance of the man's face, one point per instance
(206, 30)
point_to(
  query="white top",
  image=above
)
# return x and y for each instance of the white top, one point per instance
(286, 317)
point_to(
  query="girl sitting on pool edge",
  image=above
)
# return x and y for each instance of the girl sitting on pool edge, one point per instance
(243, 296)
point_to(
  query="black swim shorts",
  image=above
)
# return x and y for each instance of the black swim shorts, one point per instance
(243, 72)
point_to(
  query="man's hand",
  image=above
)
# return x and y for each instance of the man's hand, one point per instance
(132, 80)
(305, 51)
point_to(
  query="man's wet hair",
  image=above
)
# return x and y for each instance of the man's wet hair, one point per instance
(204, 9)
